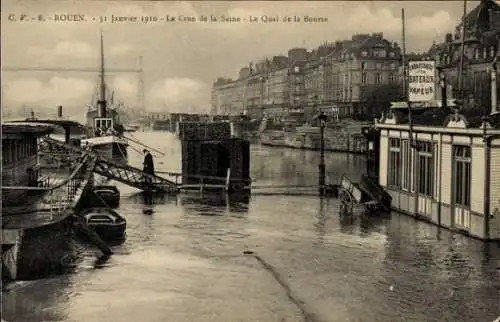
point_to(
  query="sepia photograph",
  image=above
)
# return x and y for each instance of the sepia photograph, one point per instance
(273, 161)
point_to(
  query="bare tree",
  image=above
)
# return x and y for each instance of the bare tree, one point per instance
(377, 98)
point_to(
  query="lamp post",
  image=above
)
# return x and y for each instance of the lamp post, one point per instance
(487, 172)
(442, 84)
(493, 72)
(322, 119)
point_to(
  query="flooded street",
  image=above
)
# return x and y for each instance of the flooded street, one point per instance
(270, 258)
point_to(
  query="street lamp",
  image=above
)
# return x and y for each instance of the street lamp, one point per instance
(322, 123)
(442, 84)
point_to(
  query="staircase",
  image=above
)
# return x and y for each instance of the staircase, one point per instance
(123, 173)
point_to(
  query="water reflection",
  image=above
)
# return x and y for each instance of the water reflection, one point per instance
(35, 298)
(216, 203)
(300, 167)
(320, 222)
(448, 262)
(149, 198)
(181, 263)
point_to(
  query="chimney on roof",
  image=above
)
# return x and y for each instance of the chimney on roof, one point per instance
(449, 37)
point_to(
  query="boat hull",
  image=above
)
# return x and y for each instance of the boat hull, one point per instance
(109, 231)
(39, 252)
(105, 196)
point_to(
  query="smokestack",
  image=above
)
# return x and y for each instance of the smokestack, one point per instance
(59, 111)
(32, 115)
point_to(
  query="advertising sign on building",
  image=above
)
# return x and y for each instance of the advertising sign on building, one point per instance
(421, 84)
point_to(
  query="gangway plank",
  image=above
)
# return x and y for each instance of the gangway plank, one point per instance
(133, 177)
(123, 173)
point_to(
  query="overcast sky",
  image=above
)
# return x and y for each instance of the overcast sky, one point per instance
(182, 59)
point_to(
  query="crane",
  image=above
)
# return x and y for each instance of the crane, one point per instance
(68, 69)
(139, 71)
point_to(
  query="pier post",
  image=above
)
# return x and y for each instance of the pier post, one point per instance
(494, 107)
(322, 173)
(487, 172)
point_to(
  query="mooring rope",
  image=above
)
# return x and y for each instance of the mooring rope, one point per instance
(308, 316)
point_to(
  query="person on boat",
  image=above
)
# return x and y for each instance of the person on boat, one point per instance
(148, 165)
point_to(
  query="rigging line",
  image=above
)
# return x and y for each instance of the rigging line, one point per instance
(144, 145)
(121, 151)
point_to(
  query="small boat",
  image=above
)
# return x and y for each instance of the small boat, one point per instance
(107, 223)
(105, 195)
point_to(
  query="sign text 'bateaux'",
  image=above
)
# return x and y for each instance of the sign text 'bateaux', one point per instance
(421, 85)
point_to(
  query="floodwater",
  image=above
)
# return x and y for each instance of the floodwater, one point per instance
(270, 258)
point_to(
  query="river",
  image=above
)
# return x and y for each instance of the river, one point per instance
(273, 258)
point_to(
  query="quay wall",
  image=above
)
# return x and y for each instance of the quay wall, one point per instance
(334, 140)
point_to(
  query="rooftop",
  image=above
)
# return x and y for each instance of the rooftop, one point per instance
(26, 128)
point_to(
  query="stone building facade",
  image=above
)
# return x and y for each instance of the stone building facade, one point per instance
(333, 77)
(481, 48)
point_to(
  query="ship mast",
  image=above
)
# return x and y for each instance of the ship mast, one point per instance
(101, 103)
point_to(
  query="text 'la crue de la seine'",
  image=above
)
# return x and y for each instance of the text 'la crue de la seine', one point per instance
(79, 18)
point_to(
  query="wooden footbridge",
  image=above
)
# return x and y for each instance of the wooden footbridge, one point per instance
(123, 173)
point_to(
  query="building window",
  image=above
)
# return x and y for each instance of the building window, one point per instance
(378, 66)
(364, 53)
(364, 78)
(379, 52)
(391, 54)
(363, 65)
(425, 171)
(392, 78)
(378, 78)
(394, 166)
(492, 51)
(476, 53)
(462, 175)
(405, 164)
(484, 53)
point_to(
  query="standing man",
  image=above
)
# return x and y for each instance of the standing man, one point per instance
(148, 165)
